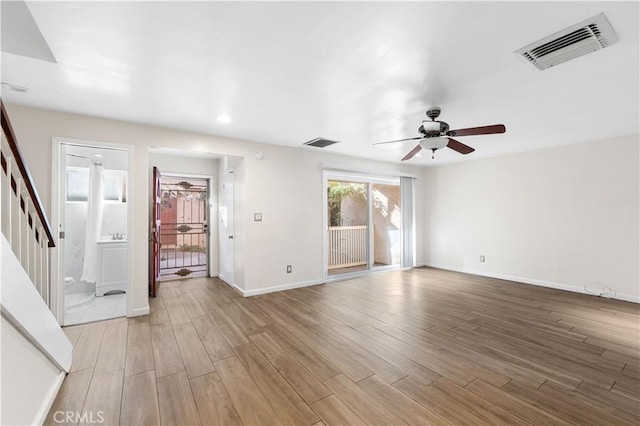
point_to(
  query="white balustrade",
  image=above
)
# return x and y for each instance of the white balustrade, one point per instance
(21, 214)
(347, 246)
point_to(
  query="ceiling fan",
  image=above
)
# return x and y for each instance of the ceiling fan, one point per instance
(436, 135)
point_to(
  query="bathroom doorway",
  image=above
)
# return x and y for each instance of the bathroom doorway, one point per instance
(93, 211)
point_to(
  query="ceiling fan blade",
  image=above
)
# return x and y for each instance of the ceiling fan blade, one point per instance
(399, 140)
(413, 152)
(460, 147)
(483, 130)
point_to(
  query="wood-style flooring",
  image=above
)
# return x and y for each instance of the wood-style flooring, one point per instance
(418, 347)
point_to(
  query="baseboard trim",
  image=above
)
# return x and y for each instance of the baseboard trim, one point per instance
(282, 287)
(41, 416)
(237, 289)
(139, 312)
(532, 281)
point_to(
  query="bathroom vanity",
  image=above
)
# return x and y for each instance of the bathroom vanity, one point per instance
(112, 266)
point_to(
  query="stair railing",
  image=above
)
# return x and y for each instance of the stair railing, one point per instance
(23, 220)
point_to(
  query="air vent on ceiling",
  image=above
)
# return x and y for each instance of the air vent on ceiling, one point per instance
(588, 36)
(320, 142)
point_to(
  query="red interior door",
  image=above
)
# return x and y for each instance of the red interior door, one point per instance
(155, 233)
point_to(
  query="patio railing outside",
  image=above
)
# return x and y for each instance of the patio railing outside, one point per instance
(347, 246)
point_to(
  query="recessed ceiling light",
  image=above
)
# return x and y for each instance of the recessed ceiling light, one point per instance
(98, 155)
(14, 87)
(223, 118)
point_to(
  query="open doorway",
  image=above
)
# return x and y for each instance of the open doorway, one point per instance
(199, 242)
(184, 231)
(91, 264)
(183, 215)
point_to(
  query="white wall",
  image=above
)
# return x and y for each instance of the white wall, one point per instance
(286, 187)
(562, 217)
(30, 381)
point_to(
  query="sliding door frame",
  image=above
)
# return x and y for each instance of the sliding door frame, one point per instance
(370, 180)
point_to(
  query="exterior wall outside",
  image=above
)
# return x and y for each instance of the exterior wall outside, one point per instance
(387, 225)
(354, 211)
(385, 220)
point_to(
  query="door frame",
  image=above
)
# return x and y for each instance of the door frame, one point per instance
(226, 279)
(359, 177)
(57, 253)
(154, 258)
(211, 215)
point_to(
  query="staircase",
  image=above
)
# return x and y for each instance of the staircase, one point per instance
(35, 352)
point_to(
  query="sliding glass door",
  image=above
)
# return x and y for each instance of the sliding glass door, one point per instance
(363, 223)
(348, 226)
(386, 221)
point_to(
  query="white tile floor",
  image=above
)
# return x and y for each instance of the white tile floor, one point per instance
(101, 308)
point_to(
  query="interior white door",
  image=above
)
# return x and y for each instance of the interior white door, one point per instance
(225, 228)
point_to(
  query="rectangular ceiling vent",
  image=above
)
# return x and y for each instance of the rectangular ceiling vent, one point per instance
(588, 36)
(320, 142)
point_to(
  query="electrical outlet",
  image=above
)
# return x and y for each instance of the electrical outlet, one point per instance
(288, 269)
(257, 217)
(482, 259)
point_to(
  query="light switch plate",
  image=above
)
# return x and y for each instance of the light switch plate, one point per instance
(257, 217)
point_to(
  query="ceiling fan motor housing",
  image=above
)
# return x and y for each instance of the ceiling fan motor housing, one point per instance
(433, 113)
(432, 129)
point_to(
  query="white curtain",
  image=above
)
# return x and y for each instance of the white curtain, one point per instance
(94, 223)
(407, 192)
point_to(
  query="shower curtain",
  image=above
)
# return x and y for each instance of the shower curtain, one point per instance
(94, 224)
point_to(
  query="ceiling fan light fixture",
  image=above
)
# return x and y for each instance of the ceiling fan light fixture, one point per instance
(434, 143)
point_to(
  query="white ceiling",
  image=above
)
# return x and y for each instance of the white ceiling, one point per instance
(358, 72)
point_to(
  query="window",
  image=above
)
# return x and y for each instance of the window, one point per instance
(114, 185)
(111, 187)
(77, 184)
